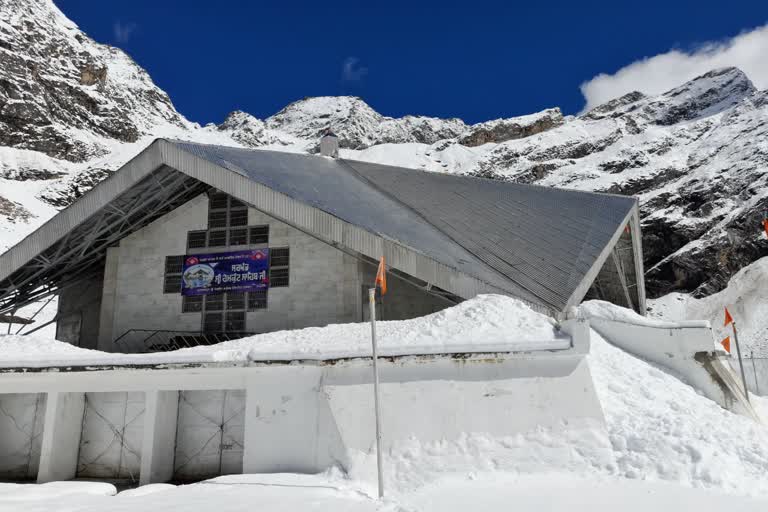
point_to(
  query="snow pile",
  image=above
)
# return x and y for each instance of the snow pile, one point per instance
(487, 323)
(662, 429)
(746, 297)
(610, 311)
(580, 448)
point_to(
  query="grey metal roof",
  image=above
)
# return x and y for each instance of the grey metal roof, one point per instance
(545, 240)
(538, 244)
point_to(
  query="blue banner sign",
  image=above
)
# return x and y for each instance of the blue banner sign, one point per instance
(238, 271)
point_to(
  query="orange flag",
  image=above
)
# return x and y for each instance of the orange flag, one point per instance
(381, 277)
(726, 343)
(728, 318)
(765, 225)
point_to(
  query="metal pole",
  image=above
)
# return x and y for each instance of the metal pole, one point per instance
(372, 303)
(36, 312)
(754, 371)
(741, 364)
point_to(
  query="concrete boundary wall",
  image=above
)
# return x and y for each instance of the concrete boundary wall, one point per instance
(687, 350)
(305, 416)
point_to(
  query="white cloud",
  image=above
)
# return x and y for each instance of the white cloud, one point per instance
(653, 75)
(352, 71)
(123, 32)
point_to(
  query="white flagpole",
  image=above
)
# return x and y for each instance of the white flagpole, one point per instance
(741, 364)
(372, 303)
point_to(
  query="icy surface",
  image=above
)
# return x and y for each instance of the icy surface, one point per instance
(487, 323)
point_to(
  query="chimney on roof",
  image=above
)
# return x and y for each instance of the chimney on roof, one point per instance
(329, 144)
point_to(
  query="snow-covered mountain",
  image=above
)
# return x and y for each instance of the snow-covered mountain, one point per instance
(73, 110)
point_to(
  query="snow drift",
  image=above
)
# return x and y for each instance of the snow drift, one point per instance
(487, 323)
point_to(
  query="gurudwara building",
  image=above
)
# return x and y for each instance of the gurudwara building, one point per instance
(190, 243)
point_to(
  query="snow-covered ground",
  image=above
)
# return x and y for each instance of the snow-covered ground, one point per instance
(664, 445)
(459, 493)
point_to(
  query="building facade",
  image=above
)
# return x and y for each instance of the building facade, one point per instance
(138, 296)
(320, 224)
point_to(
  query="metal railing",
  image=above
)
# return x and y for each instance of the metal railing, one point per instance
(140, 341)
(755, 371)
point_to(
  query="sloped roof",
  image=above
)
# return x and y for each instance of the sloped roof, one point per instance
(535, 243)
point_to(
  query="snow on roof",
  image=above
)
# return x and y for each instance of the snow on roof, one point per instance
(487, 323)
(609, 311)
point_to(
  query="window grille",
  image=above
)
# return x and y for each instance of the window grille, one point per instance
(196, 239)
(192, 303)
(278, 277)
(217, 219)
(214, 302)
(224, 312)
(259, 235)
(279, 259)
(213, 322)
(238, 217)
(235, 321)
(257, 300)
(217, 238)
(172, 277)
(235, 300)
(238, 237)
(218, 201)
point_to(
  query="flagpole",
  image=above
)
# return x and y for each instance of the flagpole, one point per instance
(741, 364)
(372, 303)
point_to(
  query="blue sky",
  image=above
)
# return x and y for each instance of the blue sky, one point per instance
(473, 60)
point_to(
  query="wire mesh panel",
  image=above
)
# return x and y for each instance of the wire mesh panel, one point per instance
(755, 372)
(110, 444)
(209, 436)
(21, 434)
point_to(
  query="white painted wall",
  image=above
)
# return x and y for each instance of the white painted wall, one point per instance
(302, 417)
(209, 434)
(21, 428)
(688, 350)
(112, 435)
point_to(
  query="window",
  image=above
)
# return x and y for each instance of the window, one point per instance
(238, 236)
(235, 300)
(278, 277)
(212, 322)
(225, 211)
(259, 235)
(196, 239)
(217, 219)
(224, 312)
(238, 217)
(192, 303)
(279, 257)
(235, 321)
(218, 201)
(217, 238)
(257, 300)
(278, 267)
(172, 278)
(214, 302)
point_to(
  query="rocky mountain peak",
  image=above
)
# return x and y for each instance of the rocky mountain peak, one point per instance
(60, 91)
(705, 95)
(349, 117)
